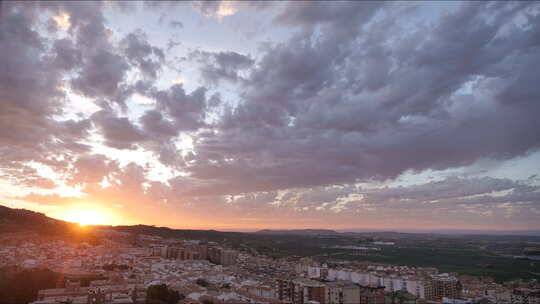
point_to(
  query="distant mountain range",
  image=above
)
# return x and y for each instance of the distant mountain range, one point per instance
(454, 232)
(298, 232)
(367, 232)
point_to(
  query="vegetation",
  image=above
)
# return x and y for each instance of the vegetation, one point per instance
(86, 279)
(161, 294)
(470, 262)
(22, 286)
(202, 282)
(226, 286)
(400, 297)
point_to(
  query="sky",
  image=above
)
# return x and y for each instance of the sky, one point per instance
(242, 115)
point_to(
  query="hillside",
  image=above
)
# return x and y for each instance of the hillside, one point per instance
(207, 235)
(25, 222)
(22, 220)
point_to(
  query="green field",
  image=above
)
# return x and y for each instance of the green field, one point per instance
(471, 262)
(464, 261)
(472, 255)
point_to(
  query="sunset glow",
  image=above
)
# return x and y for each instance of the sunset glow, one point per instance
(86, 217)
(245, 115)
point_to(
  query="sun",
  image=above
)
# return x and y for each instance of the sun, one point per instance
(87, 213)
(86, 217)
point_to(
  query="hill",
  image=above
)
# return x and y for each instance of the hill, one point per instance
(166, 232)
(22, 220)
(23, 223)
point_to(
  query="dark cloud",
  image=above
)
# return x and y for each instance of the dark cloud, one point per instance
(31, 91)
(483, 195)
(154, 123)
(312, 114)
(101, 75)
(162, 132)
(449, 188)
(188, 111)
(335, 14)
(222, 65)
(87, 23)
(67, 56)
(119, 132)
(175, 24)
(139, 52)
(100, 65)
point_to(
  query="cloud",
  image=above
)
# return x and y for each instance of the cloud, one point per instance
(309, 117)
(188, 111)
(101, 75)
(67, 56)
(224, 8)
(222, 65)
(176, 24)
(119, 132)
(31, 92)
(218, 9)
(93, 168)
(139, 52)
(338, 96)
(62, 21)
(451, 188)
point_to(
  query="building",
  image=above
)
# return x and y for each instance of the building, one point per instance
(372, 295)
(342, 293)
(203, 251)
(158, 251)
(222, 256)
(228, 257)
(284, 290)
(441, 286)
(300, 291)
(306, 290)
(260, 292)
(415, 287)
(96, 296)
(525, 296)
(106, 294)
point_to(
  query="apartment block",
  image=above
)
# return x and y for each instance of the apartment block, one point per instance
(442, 285)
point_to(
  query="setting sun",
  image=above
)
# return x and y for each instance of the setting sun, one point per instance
(86, 216)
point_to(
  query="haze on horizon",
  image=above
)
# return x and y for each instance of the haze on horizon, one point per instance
(281, 115)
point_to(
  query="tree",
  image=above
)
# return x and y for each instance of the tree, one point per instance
(226, 286)
(202, 282)
(22, 286)
(161, 294)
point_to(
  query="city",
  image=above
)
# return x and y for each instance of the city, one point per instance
(122, 267)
